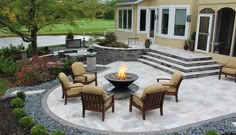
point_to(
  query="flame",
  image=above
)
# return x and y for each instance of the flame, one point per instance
(121, 73)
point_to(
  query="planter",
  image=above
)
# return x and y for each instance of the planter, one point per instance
(147, 43)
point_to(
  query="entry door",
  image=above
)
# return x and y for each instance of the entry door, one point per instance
(203, 35)
(152, 17)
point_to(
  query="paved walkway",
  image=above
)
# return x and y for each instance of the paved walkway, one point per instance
(199, 99)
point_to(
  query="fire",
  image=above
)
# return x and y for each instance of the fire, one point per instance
(121, 74)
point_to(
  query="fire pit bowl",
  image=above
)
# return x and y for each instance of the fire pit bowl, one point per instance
(121, 82)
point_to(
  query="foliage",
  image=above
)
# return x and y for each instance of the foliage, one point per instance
(3, 85)
(70, 35)
(17, 103)
(8, 66)
(26, 17)
(67, 65)
(57, 132)
(26, 121)
(110, 37)
(38, 130)
(19, 112)
(211, 132)
(11, 51)
(21, 95)
(36, 71)
(193, 35)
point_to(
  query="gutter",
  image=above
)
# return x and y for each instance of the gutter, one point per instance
(129, 3)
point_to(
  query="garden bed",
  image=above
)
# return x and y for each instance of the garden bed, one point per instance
(8, 122)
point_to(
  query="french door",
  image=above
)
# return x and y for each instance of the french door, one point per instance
(203, 35)
(152, 17)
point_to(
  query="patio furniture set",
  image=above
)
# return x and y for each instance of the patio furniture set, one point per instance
(95, 98)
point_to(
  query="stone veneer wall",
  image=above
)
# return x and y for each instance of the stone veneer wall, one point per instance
(106, 55)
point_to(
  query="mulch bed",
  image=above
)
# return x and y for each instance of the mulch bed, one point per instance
(8, 123)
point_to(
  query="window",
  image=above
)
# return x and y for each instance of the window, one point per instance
(157, 20)
(142, 26)
(180, 21)
(125, 19)
(165, 21)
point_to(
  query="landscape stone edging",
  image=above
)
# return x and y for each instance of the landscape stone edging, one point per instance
(97, 131)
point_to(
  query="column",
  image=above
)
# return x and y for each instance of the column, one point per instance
(233, 37)
(214, 33)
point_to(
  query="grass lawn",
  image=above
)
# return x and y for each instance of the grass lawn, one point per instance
(3, 85)
(84, 26)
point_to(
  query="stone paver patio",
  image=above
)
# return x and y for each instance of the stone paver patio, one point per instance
(199, 99)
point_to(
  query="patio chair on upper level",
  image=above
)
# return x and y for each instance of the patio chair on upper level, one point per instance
(95, 98)
(228, 68)
(69, 89)
(151, 98)
(79, 74)
(173, 84)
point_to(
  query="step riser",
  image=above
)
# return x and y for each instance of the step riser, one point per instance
(180, 69)
(180, 63)
(181, 58)
(185, 76)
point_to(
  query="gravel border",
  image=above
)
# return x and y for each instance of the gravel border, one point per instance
(36, 106)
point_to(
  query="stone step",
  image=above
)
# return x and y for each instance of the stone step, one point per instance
(188, 75)
(180, 67)
(181, 62)
(186, 56)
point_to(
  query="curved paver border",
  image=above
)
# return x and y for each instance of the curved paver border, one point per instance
(97, 131)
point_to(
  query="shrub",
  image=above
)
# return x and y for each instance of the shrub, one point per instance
(26, 121)
(38, 130)
(67, 65)
(17, 103)
(13, 52)
(57, 132)
(21, 95)
(211, 132)
(110, 37)
(36, 71)
(70, 35)
(19, 112)
(8, 66)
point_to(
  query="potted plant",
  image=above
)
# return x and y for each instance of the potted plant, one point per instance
(190, 43)
(147, 43)
(70, 36)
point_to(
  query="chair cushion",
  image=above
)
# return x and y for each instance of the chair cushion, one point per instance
(229, 70)
(95, 90)
(90, 78)
(153, 88)
(231, 62)
(168, 88)
(64, 79)
(78, 68)
(175, 78)
(73, 91)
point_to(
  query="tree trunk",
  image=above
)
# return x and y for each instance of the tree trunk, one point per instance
(34, 40)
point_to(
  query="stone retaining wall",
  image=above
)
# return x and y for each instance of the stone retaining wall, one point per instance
(106, 55)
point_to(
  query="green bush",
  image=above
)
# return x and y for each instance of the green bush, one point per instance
(70, 35)
(19, 112)
(13, 52)
(17, 103)
(26, 121)
(57, 132)
(110, 37)
(8, 66)
(38, 130)
(211, 132)
(21, 95)
(67, 65)
(56, 71)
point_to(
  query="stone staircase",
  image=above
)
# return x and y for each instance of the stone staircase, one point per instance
(190, 64)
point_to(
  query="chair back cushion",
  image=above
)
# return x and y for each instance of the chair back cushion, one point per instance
(64, 80)
(231, 63)
(78, 68)
(95, 90)
(176, 77)
(152, 88)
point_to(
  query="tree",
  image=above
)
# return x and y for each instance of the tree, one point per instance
(26, 17)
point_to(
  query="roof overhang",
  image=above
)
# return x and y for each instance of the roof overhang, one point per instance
(129, 3)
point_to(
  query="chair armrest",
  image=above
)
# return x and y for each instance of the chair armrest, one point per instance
(171, 85)
(75, 86)
(131, 95)
(110, 96)
(158, 79)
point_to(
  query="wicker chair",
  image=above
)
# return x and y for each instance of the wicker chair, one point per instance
(229, 68)
(173, 84)
(69, 89)
(152, 98)
(79, 74)
(94, 98)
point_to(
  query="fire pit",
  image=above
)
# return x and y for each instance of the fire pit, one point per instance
(121, 83)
